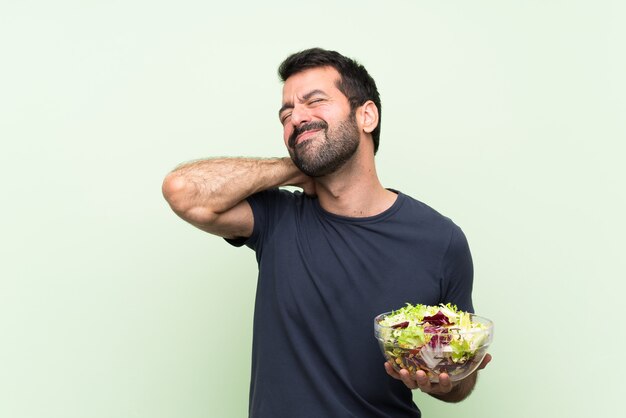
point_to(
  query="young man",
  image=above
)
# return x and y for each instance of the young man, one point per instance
(331, 258)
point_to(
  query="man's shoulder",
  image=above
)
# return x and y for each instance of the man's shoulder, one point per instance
(422, 208)
(425, 214)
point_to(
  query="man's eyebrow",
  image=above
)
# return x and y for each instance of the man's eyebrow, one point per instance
(307, 96)
(312, 93)
(285, 107)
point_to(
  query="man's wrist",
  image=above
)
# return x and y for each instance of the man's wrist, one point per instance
(293, 175)
(460, 390)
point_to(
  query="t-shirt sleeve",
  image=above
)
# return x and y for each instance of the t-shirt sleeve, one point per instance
(265, 208)
(458, 272)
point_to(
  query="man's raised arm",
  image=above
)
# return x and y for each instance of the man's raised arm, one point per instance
(211, 194)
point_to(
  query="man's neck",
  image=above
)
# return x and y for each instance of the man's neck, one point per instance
(354, 191)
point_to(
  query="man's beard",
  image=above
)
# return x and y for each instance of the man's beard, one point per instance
(320, 156)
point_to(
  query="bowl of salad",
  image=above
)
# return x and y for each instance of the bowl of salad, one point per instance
(435, 339)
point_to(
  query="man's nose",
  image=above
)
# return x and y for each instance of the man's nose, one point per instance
(299, 115)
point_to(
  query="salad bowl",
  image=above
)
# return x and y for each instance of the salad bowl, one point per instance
(435, 339)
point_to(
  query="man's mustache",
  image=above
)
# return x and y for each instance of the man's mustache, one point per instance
(311, 126)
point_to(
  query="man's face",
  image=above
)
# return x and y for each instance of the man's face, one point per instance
(319, 129)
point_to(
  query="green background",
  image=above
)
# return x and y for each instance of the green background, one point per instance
(507, 116)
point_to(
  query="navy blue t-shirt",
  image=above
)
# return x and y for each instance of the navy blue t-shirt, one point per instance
(322, 280)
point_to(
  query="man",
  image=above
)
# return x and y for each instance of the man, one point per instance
(331, 258)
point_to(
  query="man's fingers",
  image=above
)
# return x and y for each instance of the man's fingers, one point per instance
(485, 361)
(420, 380)
(445, 384)
(391, 371)
(423, 382)
(403, 375)
(407, 379)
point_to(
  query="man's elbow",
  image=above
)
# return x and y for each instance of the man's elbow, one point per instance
(176, 191)
(181, 194)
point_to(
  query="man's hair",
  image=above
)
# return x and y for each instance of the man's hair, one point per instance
(355, 82)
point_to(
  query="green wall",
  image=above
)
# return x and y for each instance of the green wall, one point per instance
(506, 116)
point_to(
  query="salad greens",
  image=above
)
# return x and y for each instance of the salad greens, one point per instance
(435, 339)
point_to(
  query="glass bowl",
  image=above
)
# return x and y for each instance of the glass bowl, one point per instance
(451, 350)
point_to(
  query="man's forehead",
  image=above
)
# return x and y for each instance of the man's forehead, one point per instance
(319, 78)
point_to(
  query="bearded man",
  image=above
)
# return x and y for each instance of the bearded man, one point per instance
(332, 256)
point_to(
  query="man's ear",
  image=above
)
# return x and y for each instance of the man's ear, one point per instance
(369, 116)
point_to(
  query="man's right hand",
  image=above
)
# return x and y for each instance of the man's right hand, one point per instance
(307, 184)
